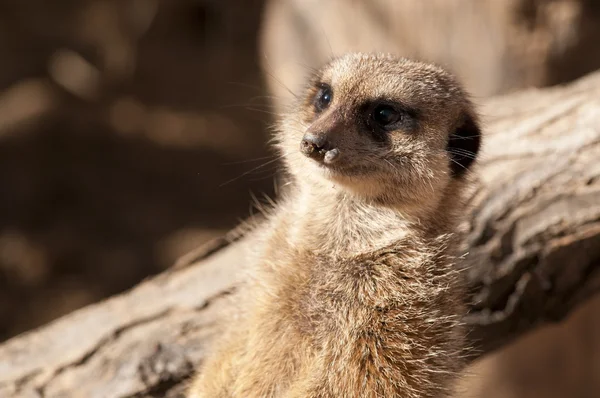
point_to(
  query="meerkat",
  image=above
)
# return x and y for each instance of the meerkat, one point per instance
(353, 289)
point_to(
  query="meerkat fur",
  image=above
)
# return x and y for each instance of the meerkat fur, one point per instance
(353, 288)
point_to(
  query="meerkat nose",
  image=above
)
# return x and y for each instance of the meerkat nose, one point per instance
(315, 146)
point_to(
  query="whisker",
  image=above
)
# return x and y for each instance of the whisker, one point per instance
(457, 150)
(266, 97)
(464, 137)
(275, 78)
(249, 160)
(263, 111)
(467, 154)
(247, 105)
(331, 53)
(454, 161)
(251, 171)
(263, 177)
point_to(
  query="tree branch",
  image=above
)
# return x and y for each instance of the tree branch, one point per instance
(534, 255)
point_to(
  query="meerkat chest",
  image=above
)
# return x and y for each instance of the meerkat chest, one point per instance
(317, 291)
(318, 268)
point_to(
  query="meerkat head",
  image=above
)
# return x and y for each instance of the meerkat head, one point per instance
(391, 130)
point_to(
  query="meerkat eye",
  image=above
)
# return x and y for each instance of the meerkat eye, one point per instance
(385, 115)
(323, 97)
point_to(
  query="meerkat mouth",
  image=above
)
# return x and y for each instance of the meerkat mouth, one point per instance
(335, 170)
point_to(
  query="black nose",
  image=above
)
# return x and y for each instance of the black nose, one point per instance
(314, 146)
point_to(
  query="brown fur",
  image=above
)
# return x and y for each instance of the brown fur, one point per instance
(353, 290)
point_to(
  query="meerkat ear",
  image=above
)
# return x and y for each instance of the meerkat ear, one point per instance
(463, 145)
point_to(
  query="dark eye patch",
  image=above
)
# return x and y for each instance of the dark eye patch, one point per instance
(323, 97)
(384, 116)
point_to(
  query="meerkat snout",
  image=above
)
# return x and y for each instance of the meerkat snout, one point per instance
(319, 147)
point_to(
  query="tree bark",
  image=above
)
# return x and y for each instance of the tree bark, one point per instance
(534, 255)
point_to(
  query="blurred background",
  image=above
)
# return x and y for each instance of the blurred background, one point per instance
(132, 131)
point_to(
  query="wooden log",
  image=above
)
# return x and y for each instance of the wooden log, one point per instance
(534, 255)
